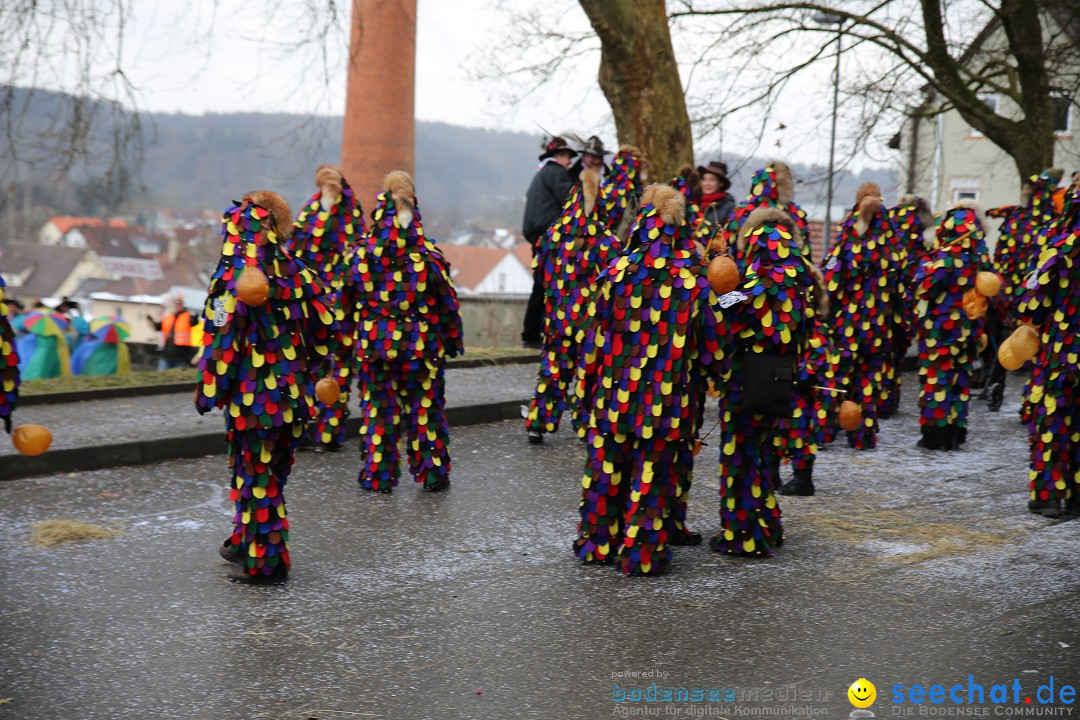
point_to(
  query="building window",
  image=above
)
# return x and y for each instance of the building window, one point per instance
(1062, 113)
(991, 101)
(502, 282)
(964, 188)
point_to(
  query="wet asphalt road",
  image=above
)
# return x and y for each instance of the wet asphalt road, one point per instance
(908, 567)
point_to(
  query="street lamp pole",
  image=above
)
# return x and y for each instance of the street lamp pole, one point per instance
(830, 19)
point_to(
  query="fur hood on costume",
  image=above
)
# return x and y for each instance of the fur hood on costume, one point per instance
(280, 214)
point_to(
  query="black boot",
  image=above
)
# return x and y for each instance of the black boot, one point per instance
(774, 466)
(803, 483)
(997, 395)
(931, 438)
(1046, 508)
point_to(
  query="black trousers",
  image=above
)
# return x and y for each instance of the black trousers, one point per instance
(534, 311)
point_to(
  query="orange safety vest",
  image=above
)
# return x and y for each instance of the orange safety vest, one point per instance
(180, 327)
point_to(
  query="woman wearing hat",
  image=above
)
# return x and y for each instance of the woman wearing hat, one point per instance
(716, 203)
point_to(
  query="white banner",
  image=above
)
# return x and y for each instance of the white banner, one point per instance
(132, 268)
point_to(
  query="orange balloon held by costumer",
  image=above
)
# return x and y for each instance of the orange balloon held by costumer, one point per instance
(850, 416)
(252, 287)
(327, 391)
(31, 439)
(988, 283)
(723, 275)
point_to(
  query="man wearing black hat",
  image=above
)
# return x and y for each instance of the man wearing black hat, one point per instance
(592, 158)
(548, 192)
(716, 203)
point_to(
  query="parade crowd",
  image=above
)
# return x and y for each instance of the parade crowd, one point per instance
(652, 305)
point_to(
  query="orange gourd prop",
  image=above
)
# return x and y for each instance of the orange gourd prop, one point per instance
(722, 273)
(327, 391)
(31, 439)
(850, 416)
(252, 287)
(988, 283)
(974, 304)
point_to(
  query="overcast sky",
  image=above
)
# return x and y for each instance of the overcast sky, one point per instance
(187, 58)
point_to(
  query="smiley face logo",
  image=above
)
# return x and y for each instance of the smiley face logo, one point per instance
(862, 693)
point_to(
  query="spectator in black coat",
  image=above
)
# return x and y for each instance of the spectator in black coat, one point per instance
(543, 202)
(592, 158)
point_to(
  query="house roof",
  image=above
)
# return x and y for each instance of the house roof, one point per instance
(470, 264)
(523, 252)
(120, 241)
(49, 267)
(63, 223)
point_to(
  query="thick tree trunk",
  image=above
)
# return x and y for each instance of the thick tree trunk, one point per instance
(640, 79)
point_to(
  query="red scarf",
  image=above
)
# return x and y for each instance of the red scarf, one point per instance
(708, 199)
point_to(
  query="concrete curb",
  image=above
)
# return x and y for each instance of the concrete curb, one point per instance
(141, 452)
(168, 388)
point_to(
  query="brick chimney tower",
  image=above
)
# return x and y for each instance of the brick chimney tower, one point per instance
(380, 129)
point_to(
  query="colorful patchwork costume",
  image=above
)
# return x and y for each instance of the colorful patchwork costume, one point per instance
(1032, 229)
(770, 318)
(620, 191)
(1050, 302)
(814, 402)
(9, 365)
(688, 182)
(401, 323)
(771, 186)
(330, 224)
(947, 336)
(914, 225)
(862, 275)
(255, 366)
(574, 250)
(654, 340)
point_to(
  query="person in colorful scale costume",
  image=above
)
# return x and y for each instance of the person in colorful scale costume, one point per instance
(688, 182)
(915, 226)
(255, 366)
(574, 250)
(814, 401)
(1007, 252)
(1050, 302)
(772, 316)
(656, 336)
(771, 186)
(1032, 228)
(947, 336)
(330, 224)
(620, 191)
(402, 321)
(863, 278)
(999, 313)
(9, 365)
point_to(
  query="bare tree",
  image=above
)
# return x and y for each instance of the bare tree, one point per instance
(904, 56)
(640, 78)
(78, 48)
(953, 52)
(637, 72)
(68, 100)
